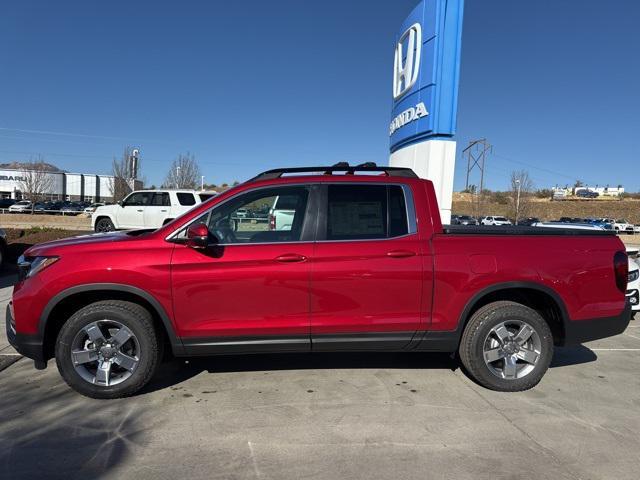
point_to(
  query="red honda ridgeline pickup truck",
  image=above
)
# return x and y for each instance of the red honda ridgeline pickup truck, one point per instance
(353, 263)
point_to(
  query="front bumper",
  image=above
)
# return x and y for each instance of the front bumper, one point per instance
(581, 331)
(30, 346)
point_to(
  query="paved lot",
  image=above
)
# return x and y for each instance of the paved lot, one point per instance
(331, 416)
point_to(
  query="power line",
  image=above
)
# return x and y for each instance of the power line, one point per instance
(81, 135)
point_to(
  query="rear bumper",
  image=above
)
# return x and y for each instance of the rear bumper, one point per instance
(28, 345)
(581, 331)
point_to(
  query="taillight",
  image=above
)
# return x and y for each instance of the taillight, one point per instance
(272, 222)
(621, 270)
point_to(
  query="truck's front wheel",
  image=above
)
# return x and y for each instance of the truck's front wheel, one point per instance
(105, 225)
(108, 349)
(506, 346)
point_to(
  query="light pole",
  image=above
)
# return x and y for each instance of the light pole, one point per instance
(517, 200)
(177, 177)
(202, 182)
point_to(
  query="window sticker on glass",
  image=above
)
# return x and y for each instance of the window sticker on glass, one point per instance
(349, 218)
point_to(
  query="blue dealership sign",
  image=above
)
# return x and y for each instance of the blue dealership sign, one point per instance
(426, 71)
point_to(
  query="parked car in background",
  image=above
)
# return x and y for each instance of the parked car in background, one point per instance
(282, 213)
(529, 221)
(242, 213)
(145, 209)
(466, 220)
(495, 220)
(369, 267)
(92, 208)
(622, 226)
(6, 202)
(23, 206)
(39, 208)
(70, 208)
(587, 194)
(636, 229)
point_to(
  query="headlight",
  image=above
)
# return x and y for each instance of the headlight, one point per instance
(633, 276)
(29, 267)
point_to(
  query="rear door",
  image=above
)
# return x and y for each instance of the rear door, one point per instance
(158, 210)
(367, 280)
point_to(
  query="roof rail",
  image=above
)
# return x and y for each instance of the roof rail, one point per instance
(338, 167)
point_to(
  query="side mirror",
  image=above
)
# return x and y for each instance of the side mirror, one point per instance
(198, 236)
(121, 203)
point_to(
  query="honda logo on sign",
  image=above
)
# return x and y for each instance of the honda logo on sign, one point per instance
(406, 64)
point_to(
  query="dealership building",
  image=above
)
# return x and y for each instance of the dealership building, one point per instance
(63, 186)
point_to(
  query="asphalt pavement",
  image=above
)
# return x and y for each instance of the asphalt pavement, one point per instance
(330, 416)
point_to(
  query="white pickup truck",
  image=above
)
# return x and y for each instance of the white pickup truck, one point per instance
(146, 209)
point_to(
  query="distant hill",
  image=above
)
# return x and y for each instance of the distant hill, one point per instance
(20, 165)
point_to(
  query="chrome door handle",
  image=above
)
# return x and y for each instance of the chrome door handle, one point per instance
(400, 253)
(290, 258)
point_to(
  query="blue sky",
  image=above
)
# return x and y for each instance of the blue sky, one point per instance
(247, 86)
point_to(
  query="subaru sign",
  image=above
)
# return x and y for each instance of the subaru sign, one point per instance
(426, 70)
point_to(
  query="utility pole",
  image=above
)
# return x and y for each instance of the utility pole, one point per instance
(202, 182)
(177, 177)
(476, 154)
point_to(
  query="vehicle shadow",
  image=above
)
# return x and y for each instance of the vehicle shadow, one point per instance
(178, 370)
(565, 356)
(49, 431)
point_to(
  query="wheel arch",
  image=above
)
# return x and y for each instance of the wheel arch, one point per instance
(103, 216)
(67, 302)
(546, 301)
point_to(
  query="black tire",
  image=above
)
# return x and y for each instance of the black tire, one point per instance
(104, 225)
(135, 318)
(477, 333)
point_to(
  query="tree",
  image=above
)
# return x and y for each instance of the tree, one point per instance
(520, 199)
(36, 180)
(184, 173)
(123, 174)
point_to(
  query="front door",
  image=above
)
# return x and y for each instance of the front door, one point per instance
(367, 279)
(250, 292)
(131, 214)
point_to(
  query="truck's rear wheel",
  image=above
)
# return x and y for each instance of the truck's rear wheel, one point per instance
(108, 349)
(105, 225)
(506, 346)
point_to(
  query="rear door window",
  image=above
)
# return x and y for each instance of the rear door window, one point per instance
(366, 212)
(186, 199)
(160, 199)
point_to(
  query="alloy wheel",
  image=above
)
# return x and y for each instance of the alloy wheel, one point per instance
(512, 349)
(105, 353)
